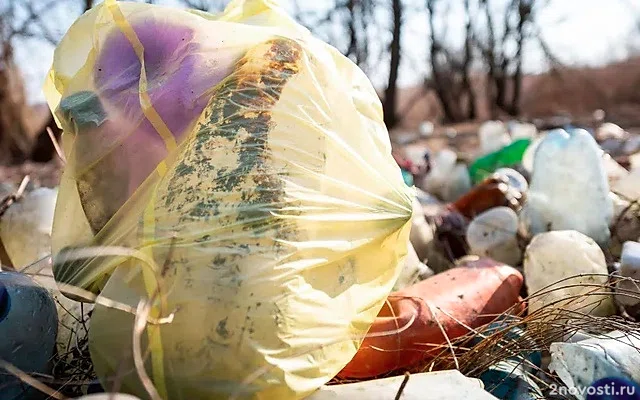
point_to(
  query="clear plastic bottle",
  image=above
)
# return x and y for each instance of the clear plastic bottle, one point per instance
(569, 188)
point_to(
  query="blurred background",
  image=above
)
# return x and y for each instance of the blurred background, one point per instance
(441, 67)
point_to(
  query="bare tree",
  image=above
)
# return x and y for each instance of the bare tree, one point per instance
(467, 61)
(354, 19)
(451, 69)
(358, 18)
(13, 143)
(395, 48)
(358, 21)
(504, 67)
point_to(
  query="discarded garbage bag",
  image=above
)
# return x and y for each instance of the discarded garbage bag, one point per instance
(237, 173)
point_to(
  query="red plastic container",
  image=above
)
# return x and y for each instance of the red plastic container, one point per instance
(409, 328)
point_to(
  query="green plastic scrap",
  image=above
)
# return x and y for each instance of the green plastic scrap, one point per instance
(506, 157)
(83, 109)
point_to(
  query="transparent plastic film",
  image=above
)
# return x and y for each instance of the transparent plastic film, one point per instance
(234, 174)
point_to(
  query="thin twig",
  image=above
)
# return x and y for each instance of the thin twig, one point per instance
(12, 198)
(403, 385)
(56, 146)
(31, 381)
(140, 323)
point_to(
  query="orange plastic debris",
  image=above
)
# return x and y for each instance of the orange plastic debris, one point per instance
(409, 328)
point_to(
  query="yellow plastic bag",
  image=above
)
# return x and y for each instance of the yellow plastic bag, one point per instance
(234, 173)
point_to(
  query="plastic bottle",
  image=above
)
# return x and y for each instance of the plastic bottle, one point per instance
(569, 188)
(522, 130)
(495, 191)
(444, 304)
(28, 328)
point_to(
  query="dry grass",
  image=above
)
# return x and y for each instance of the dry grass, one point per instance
(514, 335)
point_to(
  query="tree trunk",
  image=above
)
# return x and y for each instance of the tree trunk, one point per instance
(14, 144)
(524, 14)
(352, 50)
(500, 79)
(490, 57)
(366, 11)
(389, 104)
(437, 78)
(466, 67)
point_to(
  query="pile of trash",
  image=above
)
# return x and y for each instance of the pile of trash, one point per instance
(561, 217)
(231, 223)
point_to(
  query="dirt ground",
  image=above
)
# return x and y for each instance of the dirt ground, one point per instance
(47, 175)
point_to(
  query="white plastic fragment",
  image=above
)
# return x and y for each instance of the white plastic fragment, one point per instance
(459, 183)
(523, 130)
(569, 188)
(609, 130)
(494, 234)
(26, 227)
(493, 136)
(443, 163)
(415, 155)
(529, 154)
(620, 205)
(516, 180)
(421, 234)
(427, 199)
(626, 223)
(447, 179)
(441, 385)
(631, 145)
(634, 162)
(629, 186)
(451, 133)
(629, 268)
(413, 270)
(403, 138)
(426, 128)
(578, 365)
(553, 257)
(575, 336)
(615, 171)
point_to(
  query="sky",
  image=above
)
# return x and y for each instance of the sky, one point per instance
(579, 32)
